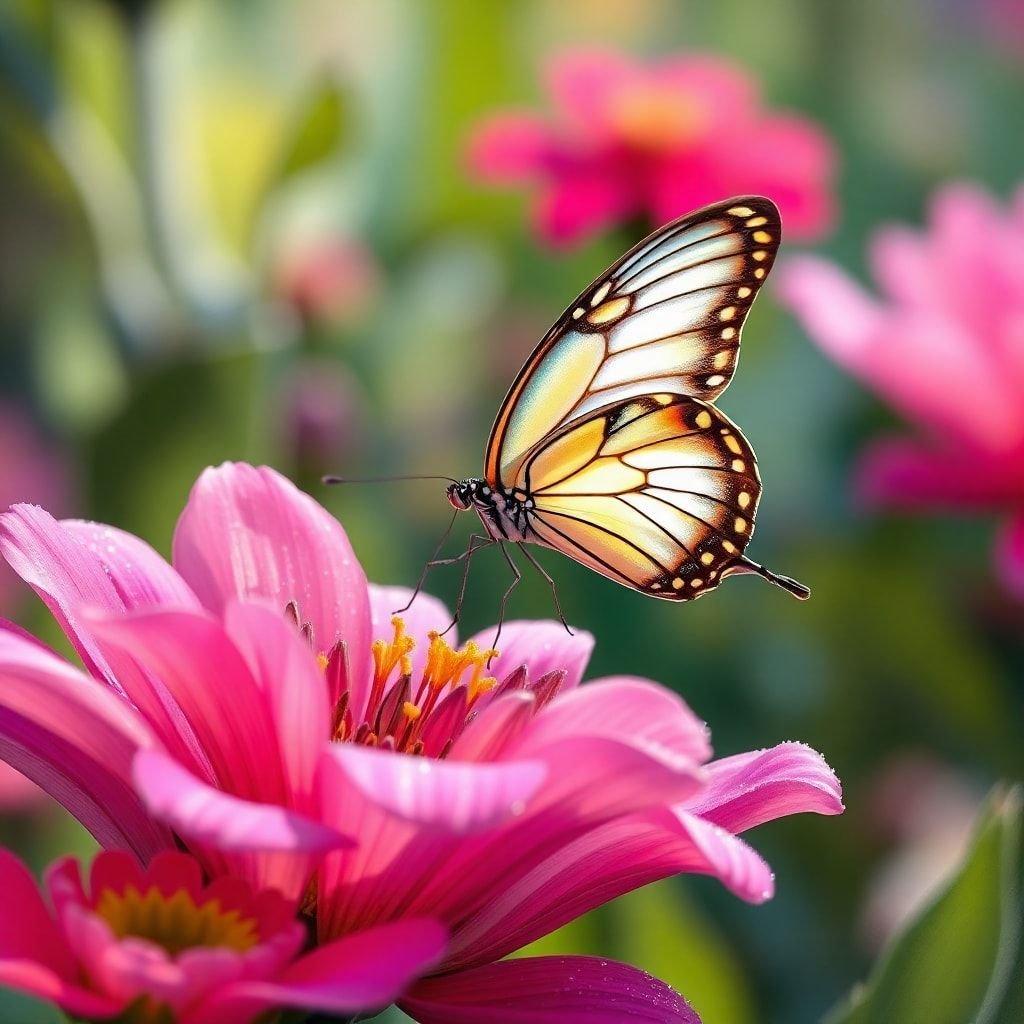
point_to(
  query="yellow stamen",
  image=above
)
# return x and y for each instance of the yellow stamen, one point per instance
(446, 666)
(386, 655)
(411, 711)
(322, 660)
(481, 686)
(176, 922)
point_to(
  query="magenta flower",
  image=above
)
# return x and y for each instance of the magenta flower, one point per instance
(942, 346)
(654, 140)
(497, 803)
(158, 944)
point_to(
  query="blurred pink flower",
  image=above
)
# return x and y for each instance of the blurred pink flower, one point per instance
(331, 279)
(498, 805)
(654, 140)
(944, 346)
(159, 944)
(927, 813)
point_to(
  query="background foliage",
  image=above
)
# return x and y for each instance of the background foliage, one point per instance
(182, 178)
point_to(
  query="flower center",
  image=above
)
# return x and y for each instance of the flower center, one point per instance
(176, 922)
(654, 119)
(422, 715)
(425, 715)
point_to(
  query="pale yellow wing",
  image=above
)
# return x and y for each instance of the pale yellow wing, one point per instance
(658, 493)
(666, 318)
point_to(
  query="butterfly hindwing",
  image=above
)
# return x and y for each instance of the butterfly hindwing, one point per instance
(666, 318)
(658, 493)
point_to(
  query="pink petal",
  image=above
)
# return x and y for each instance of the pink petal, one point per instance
(907, 357)
(142, 577)
(248, 532)
(292, 684)
(452, 796)
(496, 728)
(361, 972)
(1010, 555)
(27, 931)
(229, 711)
(542, 646)
(77, 565)
(902, 266)
(749, 789)
(681, 183)
(792, 160)
(548, 990)
(913, 475)
(836, 312)
(41, 982)
(76, 739)
(591, 781)
(723, 91)
(412, 815)
(212, 817)
(597, 867)
(425, 614)
(583, 84)
(641, 712)
(584, 199)
(510, 147)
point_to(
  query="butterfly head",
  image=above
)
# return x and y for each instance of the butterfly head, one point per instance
(463, 494)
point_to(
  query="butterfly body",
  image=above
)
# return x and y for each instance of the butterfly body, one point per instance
(504, 515)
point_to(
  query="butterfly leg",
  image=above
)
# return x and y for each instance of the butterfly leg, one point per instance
(517, 577)
(550, 582)
(431, 563)
(477, 542)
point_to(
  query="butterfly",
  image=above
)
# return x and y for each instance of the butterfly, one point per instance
(608, 446)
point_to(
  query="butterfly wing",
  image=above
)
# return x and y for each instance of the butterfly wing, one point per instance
(658, 493)
(666, 318)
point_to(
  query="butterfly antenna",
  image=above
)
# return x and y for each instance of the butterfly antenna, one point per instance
(382, 479)
(787, 583)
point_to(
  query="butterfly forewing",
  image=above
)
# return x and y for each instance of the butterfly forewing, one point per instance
(666, 319)
(658, 493)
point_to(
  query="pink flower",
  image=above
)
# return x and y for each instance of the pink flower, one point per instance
(654, 140)
(499, 802)
(139, 944)
(331, 280)
(944, 346)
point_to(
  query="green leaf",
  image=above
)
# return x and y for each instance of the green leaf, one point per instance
(960, 961)
(318, 132)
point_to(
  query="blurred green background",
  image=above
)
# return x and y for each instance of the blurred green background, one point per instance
(243, 229)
